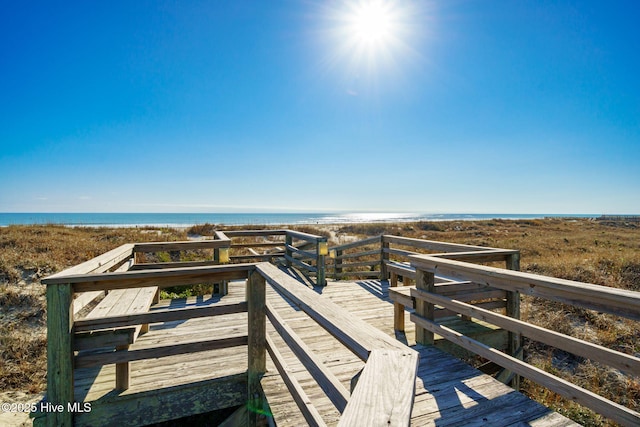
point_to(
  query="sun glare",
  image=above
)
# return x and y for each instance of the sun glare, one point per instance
(372, 22)
(371, 43)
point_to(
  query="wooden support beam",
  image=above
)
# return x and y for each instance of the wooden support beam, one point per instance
(425, 281)
(384, 258)
(514, 339)
(60, 353)
(257, 324)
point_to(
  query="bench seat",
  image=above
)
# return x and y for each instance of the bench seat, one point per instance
(117, 303)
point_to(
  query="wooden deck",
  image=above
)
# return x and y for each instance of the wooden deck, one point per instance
(448, 392)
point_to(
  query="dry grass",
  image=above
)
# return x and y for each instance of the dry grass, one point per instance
(573, 249)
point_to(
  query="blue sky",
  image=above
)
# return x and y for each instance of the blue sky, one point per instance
(205, 106)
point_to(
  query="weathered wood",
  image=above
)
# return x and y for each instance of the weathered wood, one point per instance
(310, 413)
(103, 338)
(433, 245)
(181, 264)
(288, 254)
(403, 270)
(375, 274)
(326, 380)
(60, 353)
(492, 255)
(612, 410)
(355, 334)
(123, 373)
(424, 281)
(256, 300)
(614, 301)
(256, 245)
(398, 316)
(301, 264)
(100, 359)
(337, 268)
(180, 246)
(303, 254)
(304, 236)
(164, 404)
(343, 256)
(624, 362)
(363, 242)
(514, 344)
(80, 301)
(384, 257)
(98, 264)
(254, 233)
(262, 257)
(385, 390)
(321, 279)
(166, 315)
(358, 264)
(161, 278)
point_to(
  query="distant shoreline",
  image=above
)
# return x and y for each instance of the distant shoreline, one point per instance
(182, 220)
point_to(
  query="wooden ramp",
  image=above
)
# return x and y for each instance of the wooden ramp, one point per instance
(448, 392)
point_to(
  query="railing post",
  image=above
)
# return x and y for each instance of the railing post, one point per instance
(384, 257)
(288, 254)
(256, 302)
(60, 353)
(514, 344)
(338, 262)
(321, 249)
(424, 281)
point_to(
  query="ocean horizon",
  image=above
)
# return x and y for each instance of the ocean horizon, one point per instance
(189, 219)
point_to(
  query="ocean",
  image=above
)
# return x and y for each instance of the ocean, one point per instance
(188, 219)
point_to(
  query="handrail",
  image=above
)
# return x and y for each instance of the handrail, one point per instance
(612, 410)
(597, 353)
(358, 243)
(610, 300)
(458, 251)
(434, 245)
(388, 378)
(99, 264)
(162, 278)
(181, 246)
(601, 298)
(385, 391)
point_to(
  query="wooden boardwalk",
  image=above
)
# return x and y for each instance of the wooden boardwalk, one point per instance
(448, 392)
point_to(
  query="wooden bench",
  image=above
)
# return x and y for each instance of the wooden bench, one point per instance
(474, 293)
(116, 303)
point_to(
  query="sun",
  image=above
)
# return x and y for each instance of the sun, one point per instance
(372, 22)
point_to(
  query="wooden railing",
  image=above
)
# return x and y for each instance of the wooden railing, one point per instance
(603, 299)
(384, 356)
(385, 254)
(390, 370)
(294, 248)
(350, 258)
